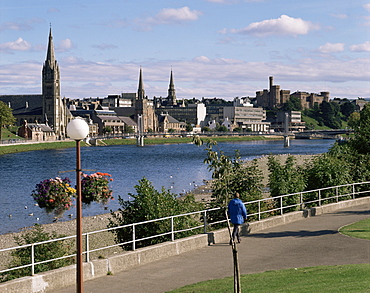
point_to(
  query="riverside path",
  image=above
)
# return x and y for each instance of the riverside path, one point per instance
(308, 242)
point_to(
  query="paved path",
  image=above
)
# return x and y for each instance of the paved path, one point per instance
(308, 242)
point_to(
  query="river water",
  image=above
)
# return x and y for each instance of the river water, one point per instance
(178, 167)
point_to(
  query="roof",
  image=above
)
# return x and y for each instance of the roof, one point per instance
(43, 127)
(127, 121)
(161, 118)
(24, 104)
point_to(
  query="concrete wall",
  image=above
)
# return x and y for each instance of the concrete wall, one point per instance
(48, 281)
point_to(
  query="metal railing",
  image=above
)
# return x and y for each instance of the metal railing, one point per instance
(304, 199)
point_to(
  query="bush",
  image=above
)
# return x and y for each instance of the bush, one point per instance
(149, 204)
(43, 252)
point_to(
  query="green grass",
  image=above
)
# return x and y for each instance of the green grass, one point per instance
(6, 134)
(359, 229)
(345, 278)
(174, 140)
(16, 148)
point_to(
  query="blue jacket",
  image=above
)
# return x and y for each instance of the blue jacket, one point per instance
(237, 211)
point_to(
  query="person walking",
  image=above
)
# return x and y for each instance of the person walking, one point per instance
(238, 214)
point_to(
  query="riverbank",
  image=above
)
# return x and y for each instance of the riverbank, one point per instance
(99, 222)
(35, 146)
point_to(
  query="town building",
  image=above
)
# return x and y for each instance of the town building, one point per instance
(49, 107)
(275, 97)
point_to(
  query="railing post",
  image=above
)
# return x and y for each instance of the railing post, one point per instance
(281, 205)
(336, 193)
(32, 259)
(259, 210)
(172, 233)
(133, 237)
(353, 191)
(205, 222)
(319, 197)
(87, 248)
(301, 200)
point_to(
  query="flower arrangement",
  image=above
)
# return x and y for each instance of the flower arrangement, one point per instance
(54, 194)
(95, 188)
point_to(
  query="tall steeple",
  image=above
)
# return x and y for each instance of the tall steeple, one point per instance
(141, 91)
(53, 107)
(50, 57)
(171, 91)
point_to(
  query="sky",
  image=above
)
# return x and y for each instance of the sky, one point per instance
(215, 48)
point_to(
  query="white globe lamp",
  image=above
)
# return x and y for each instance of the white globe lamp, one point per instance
(77, 129)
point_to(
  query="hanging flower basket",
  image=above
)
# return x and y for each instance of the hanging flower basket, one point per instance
(95, 187)
(55, 195)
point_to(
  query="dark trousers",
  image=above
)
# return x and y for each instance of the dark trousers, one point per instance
(236, 232)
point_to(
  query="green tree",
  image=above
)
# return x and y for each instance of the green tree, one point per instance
(354, 120)
(107, 130)
(42, 252)
(326, 171)
(293, 104)
(361, 140)
(6, 117)
(230, 176)
(148, 204)
(188, 127)
(285, 179)
(128, 129)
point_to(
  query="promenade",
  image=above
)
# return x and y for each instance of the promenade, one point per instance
(309, 242)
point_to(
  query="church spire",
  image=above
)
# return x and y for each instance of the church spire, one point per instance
(50, 57)
(141, 91)
(171, 91)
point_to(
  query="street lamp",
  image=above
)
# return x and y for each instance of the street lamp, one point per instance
(78, 129)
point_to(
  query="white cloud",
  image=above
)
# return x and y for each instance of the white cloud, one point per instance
(367, 7)
(18, 45)
(170, 16)
(365, 47)
(284, 25)
(64, 45)
(180, 15)
(332, 48)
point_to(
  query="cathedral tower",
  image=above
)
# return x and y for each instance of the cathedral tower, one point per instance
(53, 106)
(171, 98)
(144, 108)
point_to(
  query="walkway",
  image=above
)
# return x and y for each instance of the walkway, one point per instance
(308, 242)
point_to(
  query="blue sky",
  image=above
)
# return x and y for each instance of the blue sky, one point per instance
(216, 48)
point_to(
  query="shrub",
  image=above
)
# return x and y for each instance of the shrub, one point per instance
(42, 252)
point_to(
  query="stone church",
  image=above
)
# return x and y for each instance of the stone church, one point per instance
(47, 109)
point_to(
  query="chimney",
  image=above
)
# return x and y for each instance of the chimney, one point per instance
(271, 82)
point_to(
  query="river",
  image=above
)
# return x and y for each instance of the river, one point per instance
(178, 167)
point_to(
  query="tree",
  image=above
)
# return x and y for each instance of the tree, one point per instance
(354, 120)
(361, 140)
(285, 179)
(6, 116)
(231, 176)
(326, 171)
(293, 104)
(148, 204)
(188, 127)
(128, 129)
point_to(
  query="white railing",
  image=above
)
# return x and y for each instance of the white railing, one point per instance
(349, 191)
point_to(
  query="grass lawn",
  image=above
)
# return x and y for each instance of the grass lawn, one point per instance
(16, 148)
(346, 278)
(359, 229)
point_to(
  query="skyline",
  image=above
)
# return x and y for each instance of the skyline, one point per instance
(216, 48)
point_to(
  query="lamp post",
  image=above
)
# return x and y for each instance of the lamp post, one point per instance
(78, 129)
